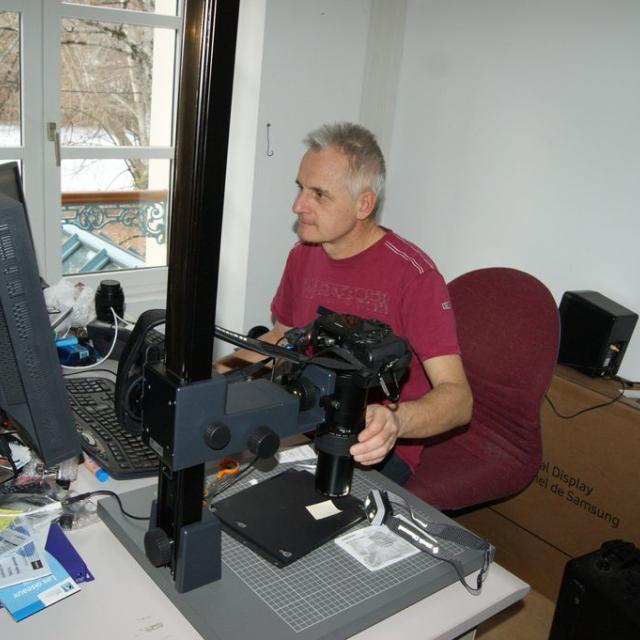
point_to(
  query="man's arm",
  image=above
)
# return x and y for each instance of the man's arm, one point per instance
(243, 357)
(446, 406)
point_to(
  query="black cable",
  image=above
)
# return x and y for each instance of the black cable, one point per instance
(75, 373)
(5, 451)
(461, 577)
(592, 408)
(102, 492)
(233, 479)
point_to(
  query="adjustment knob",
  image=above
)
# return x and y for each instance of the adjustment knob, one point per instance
(157, 546)
(217, 436)
(263, 442)
(305, 391)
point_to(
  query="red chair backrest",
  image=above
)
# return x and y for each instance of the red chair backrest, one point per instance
(508, 328)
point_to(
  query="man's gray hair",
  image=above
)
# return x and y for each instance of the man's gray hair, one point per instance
(366, 162)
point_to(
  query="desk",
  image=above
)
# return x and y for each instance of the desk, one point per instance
(123, 602)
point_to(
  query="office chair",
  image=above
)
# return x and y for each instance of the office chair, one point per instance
(508, 329)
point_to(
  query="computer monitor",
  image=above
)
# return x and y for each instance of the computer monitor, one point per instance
(11, 186)
(32, 390)
(10, 182)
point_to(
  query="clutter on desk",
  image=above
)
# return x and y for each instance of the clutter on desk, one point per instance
(36, 491)
(17, 457)
(63, 296)
(35, 568)
(86, 323)
(38, 564)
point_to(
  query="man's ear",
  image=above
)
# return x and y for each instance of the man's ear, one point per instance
(365, 204)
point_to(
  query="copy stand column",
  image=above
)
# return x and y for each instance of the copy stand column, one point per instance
(204, 111)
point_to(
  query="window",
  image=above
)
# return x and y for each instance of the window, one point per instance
(97, 167)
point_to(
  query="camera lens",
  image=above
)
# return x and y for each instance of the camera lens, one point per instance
(109, 296)
(333, 474)
(344, 420)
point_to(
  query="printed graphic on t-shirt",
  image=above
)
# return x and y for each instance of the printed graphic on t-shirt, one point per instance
(369, 301)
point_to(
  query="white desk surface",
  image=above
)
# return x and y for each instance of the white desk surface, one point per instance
(124, 602)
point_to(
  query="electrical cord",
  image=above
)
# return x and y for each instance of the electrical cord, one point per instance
(232, 480)
(474, 591)
(108, 355)
(102, 492)
(5, 452)
(74, 373)
(625, 383)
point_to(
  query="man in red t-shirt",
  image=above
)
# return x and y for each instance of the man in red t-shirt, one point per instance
(348, 263)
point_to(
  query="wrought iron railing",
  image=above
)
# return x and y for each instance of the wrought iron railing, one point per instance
(145, 210)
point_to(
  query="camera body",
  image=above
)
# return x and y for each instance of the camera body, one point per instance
(364, 354)
(369, 346)
(369, 342)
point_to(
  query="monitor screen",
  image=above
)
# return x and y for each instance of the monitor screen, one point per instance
(10, 183)
(32, 391)
(11, 186)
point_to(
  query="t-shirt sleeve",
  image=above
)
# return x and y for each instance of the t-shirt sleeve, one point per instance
(282, 303)
(428, 319)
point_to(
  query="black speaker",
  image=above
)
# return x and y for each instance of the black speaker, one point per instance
(595, 332)
(600, 595)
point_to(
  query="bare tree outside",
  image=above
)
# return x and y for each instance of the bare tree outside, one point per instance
(9, 79)
(105, 83)
(105, 90)
(116, 82)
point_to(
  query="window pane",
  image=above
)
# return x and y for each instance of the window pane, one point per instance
(110, 220)
(166, 7)
(9, 79)
(116, 84)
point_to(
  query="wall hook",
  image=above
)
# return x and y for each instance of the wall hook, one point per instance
(269, 149)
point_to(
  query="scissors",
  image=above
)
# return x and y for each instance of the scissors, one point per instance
(227, 467)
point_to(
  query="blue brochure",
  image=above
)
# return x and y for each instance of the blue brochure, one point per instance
(24, 599)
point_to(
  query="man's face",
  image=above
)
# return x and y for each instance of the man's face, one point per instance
(327, 212)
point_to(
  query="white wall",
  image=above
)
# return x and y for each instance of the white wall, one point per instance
(516, 142)
(313, 60)
(238, 204)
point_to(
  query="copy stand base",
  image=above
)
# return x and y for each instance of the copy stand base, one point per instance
(199, 558)
(255, 599)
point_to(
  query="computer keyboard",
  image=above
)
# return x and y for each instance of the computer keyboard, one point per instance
(121, 454)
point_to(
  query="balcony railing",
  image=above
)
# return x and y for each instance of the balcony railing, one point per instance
(92, 210)
(123, 220)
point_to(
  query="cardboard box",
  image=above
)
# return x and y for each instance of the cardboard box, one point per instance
(585, 492)
(519, 551)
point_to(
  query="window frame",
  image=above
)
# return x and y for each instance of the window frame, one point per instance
(40, 104)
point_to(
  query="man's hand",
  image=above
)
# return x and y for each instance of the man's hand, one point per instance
(447, 405)
(378, 436)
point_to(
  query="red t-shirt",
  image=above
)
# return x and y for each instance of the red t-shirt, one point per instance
(392, 281)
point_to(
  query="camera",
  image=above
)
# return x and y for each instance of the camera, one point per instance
(365, 354)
